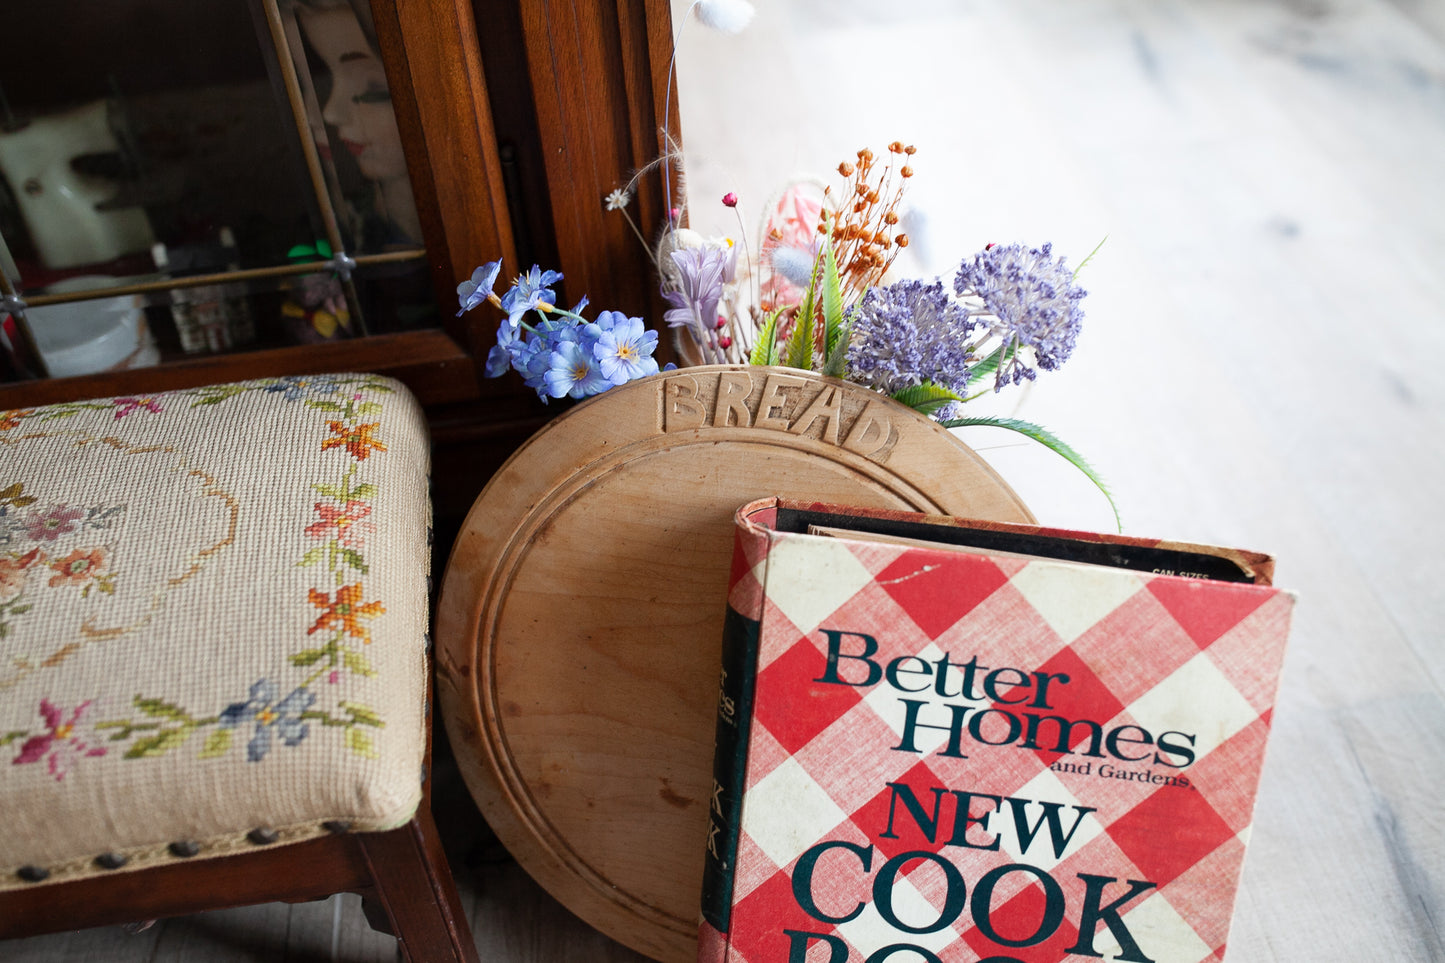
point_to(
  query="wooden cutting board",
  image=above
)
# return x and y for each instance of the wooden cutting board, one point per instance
(580, 618)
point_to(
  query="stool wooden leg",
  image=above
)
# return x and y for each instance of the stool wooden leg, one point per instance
(414, 890)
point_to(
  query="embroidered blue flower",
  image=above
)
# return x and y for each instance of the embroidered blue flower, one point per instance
(295, 387)
(473, 292)
(283, 717)
(624, 348)
(530, 290)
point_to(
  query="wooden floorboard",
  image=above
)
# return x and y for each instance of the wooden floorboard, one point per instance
(1260, 366)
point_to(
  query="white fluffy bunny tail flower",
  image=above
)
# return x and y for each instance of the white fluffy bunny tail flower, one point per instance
(729, 16)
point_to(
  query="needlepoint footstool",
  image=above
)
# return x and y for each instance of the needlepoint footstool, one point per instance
(214, 657)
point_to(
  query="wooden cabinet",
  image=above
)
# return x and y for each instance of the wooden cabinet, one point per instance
(516, 117)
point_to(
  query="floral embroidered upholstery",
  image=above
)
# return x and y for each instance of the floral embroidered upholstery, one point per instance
(213, 618)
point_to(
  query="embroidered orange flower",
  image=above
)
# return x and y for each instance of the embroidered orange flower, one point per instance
(359, 440)
(14, 572)
(12, 419)
(344, 611)
(78, 567)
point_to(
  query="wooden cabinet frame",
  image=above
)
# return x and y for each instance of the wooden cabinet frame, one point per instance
(579, 87)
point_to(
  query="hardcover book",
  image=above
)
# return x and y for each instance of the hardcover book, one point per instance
(950, 741)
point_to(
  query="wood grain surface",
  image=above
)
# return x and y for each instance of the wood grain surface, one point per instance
(598, 71)
(578, 626)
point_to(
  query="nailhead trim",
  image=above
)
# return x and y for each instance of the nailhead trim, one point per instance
(262, 836)
(83, 867)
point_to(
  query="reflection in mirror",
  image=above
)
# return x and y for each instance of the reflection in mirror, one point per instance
(349, 108)
(135, 163)
(356, 110)
(174, 155)
(193, 137)
(68, 171)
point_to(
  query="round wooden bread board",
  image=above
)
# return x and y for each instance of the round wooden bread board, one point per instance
(579, 625)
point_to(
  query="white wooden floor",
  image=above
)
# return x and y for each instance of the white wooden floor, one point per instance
(1260, 367)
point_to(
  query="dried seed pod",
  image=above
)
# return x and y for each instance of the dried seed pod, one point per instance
(845, 168)
(901, 240)
(906, 171)
(890, 218)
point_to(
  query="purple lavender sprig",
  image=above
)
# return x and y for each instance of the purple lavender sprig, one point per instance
(702, 272)
(908, 333)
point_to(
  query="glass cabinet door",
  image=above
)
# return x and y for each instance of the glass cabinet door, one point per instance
(183, 179)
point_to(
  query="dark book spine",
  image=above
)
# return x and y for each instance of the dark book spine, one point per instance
(729, 767)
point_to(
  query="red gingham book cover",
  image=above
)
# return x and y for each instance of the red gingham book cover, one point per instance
(938, 756)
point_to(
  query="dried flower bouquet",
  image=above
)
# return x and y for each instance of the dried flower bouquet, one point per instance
(818, 296)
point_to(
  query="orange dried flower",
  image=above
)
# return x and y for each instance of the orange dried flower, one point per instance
(862, 230)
